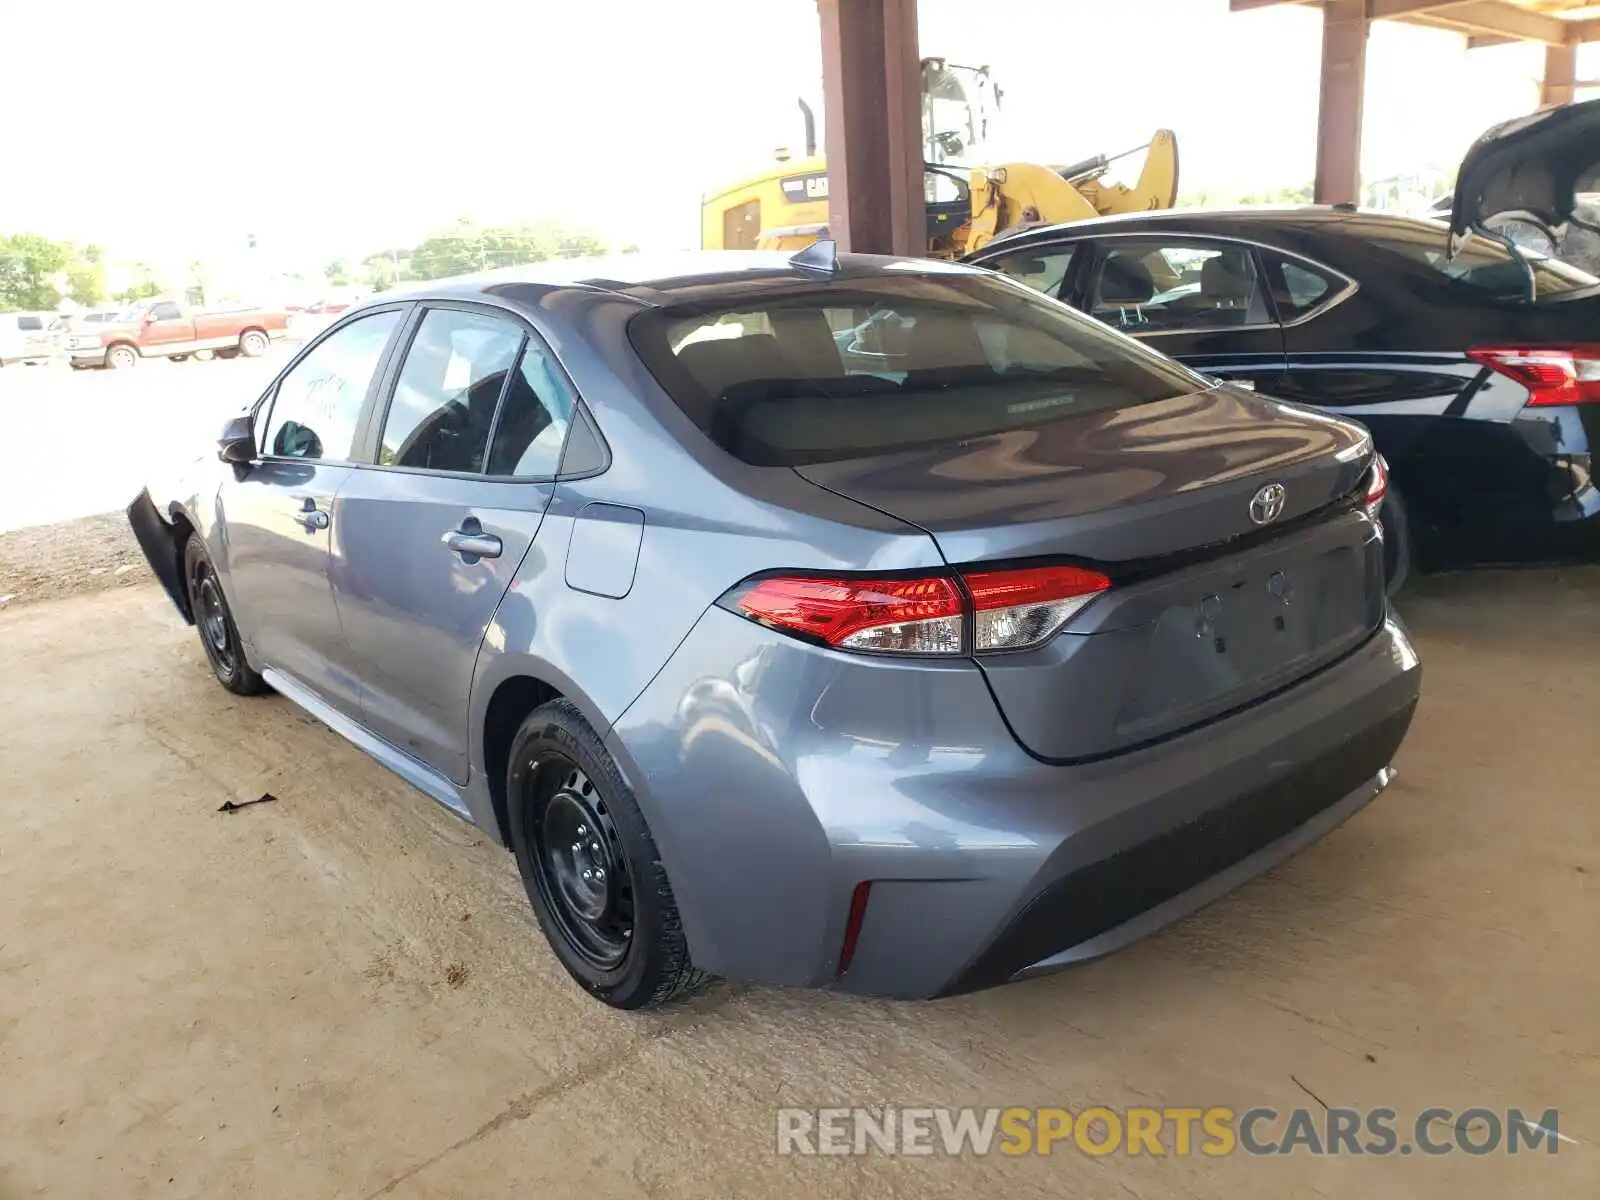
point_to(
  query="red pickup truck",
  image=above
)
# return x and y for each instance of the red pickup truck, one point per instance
(165, 329)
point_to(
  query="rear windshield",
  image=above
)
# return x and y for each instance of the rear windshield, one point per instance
(1480, 263)
(848, 368)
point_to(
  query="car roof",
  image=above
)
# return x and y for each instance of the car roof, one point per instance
(660, 279)
(1240, 222)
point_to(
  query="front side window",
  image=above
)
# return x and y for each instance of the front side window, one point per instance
(1042, 268)
(319, 399)
(165, 311)
(449, 388)
(853, 367)
(1164, 287)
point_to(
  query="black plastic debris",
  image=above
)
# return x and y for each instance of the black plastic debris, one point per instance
(228, 806)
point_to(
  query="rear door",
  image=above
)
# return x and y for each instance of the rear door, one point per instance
(1203, 301)
(433, 530)
(279, 510)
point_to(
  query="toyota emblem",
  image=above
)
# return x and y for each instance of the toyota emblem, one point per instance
(1267, 504)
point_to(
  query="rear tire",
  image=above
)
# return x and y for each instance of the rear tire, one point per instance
(230, 352)
(178, 357)
(252, 343)
(591, 867)
(219, 636)
(1398, 556)
(122, 358)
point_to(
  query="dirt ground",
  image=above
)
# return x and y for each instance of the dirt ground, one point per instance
(66, 558)
(343, 993)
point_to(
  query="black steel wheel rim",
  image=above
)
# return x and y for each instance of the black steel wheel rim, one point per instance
(579, 864)
(212, 616)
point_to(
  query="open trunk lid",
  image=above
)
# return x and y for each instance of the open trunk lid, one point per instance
(1534, 167)
(1228, 523)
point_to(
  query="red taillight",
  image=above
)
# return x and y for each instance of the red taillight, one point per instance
(907, 616)
(1011, 609)
(1377, 484)
(1552, 374)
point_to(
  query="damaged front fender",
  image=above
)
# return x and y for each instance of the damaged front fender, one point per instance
(156, 539)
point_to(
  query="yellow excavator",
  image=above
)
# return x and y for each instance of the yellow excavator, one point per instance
(969, 201)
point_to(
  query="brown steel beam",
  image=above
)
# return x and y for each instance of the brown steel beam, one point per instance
(871, 84)
(1382, 9)
(1579, 32)
(1497, 17)
(1560, 76)
(1479, 41)
(1247, 5)
(1344, 70)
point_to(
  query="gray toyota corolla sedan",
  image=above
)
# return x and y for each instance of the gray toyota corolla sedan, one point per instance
(835, 620)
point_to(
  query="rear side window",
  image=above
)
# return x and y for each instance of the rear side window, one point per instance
(854, 367)
(449, 388)
(1166, 287)
(533, 418)
(318, 401)
(30, 323)
(1298, 289)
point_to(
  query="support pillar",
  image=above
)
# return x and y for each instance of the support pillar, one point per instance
(872, 88)
(1344, 71)
(1560, 76)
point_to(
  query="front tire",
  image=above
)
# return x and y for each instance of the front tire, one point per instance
(122, 358)
(252, 343)
(591, 867)
(219, 636)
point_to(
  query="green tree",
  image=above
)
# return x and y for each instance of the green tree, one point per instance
(337, 273)
(381, 271)
(146, 283)
(467, 247)
(86, 276)
(29, 264)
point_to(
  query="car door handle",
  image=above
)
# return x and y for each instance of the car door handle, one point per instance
(472, 543)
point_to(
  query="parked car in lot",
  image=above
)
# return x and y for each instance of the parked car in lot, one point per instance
(1485, 403)
(847, 621)
(25, 337)
(167, 329)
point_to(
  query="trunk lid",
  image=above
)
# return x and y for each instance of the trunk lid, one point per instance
(1217, 599)
(1534, 167)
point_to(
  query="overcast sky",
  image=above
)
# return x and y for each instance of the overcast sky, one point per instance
(338, 126)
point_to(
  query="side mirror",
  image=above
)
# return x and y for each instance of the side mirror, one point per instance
(237, 444)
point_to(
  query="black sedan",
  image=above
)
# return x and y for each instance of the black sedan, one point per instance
(1485, 402)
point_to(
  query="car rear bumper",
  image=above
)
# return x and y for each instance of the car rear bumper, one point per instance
(778, 777)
